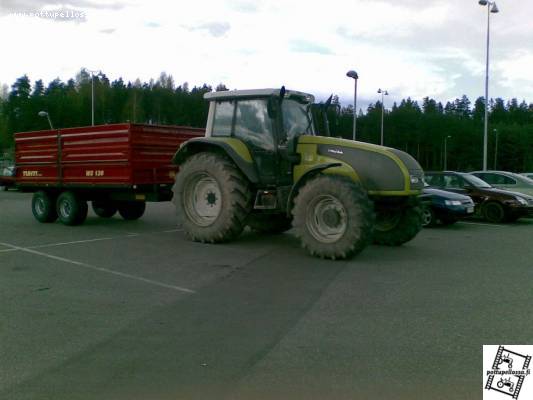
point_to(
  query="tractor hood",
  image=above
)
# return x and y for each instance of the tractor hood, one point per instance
(381, 170)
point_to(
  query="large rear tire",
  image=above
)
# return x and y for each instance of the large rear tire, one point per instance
(71, 209)
(270, 223)
(333, 217)
(212, 198)
(43, 207)
(397, 226)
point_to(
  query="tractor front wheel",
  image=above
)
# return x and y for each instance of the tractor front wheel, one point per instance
(333, 217)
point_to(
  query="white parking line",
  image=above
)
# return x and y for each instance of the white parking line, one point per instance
(128, 235)
(100, 269)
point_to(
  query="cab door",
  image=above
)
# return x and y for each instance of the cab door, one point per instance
(254, 127)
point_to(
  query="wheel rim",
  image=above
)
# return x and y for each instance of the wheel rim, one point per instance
(65, 209)
(202, 199)
(387, 220)
(326, 219)
(40, 207)
(426, 217)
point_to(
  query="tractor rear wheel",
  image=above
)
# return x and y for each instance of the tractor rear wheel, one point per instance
(333, 217)
(212, 198)
(397, 226)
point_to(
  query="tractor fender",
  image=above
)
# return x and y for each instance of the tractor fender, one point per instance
(234, 149)
(317, 169)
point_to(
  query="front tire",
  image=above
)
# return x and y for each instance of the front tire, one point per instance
(397, 226)
(428, 217)
(333, 217)
(71, 209)
(43, 207)
(493, 212)
(212, 198)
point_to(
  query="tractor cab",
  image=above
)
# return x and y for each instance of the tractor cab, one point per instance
(268, 122)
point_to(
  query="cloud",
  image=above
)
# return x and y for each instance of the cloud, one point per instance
(215, 29)
(302, 46)
(15, 6)
(152, 24)
(107, 31)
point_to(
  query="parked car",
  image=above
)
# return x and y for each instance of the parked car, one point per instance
(7, 177)
(527, 174)
(506, 180)
(494, 205)
(446, 207)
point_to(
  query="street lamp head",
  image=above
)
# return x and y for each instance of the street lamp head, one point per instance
(483, 2)
(379, 90)
(352, 74)
(42, 114)
(494, 9)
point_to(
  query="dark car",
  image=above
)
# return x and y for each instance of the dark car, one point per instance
(494, 205)
(446, 207)
(7, 177)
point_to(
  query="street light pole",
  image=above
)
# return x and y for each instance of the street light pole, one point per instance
(491, 8)
(45, 114)
(92, 96)
(353, 74)
(446, 152)
(496, 150)
(383, 93)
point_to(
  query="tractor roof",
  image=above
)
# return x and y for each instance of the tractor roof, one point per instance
(230, 94)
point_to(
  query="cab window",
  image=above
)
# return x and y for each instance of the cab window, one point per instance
(223, 118)
(253, 125)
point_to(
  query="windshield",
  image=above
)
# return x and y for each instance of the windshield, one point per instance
(297, 118)
(475, 181)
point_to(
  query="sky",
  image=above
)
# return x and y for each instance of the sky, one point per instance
(411, 48)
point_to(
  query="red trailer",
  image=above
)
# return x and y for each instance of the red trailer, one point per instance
(118, 167)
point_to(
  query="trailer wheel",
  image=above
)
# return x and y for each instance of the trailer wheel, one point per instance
(131, 210)
(396, 227)
(333, 217)
(71, 209)
(212, 198)
(43, 207)
(104, 209)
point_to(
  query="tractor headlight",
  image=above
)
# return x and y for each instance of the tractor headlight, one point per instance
(414, 179)
(452, 202)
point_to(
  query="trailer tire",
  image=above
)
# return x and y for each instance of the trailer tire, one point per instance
(396, 227)
(131, 210)
(43, 207)
(270, 223)
(104, 209)
(333, 217)
(212, 198)
(71, 209)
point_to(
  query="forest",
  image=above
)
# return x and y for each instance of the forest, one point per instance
(420, 129)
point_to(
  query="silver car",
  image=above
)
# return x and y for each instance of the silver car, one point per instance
(507, 180)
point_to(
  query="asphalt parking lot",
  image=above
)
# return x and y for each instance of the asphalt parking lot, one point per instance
(119, 309)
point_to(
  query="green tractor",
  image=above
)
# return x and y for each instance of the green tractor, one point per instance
(263, 164)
